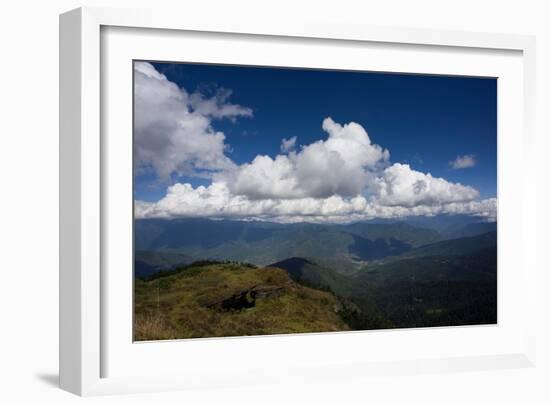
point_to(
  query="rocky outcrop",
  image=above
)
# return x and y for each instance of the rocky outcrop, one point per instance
(245, 299)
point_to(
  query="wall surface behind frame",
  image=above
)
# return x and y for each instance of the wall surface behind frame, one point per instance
(29, 201)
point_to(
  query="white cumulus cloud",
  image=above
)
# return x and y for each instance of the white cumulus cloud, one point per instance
(399, 185)
(172, 128)
(342, 164)
(464, 161)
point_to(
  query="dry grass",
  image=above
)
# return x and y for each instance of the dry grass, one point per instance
(152, 326)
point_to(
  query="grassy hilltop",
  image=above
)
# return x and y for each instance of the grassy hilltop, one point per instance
(230, 299)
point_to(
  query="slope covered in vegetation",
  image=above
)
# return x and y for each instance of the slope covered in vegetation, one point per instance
(230, 299)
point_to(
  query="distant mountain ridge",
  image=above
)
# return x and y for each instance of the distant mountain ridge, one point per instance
(455, 247)
(343, 247)
(147, 263)
(308, 272)
(471, 230)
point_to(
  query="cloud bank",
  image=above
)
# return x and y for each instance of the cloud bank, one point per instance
(216, 200)
(343, 177)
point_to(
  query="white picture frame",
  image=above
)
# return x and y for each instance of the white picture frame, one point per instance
(86, 346)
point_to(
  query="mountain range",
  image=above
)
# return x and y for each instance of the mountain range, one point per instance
(345, 248)
(437, 271)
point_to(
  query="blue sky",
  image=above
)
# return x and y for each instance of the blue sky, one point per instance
(424, 121)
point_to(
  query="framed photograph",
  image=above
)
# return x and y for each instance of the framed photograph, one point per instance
(245, 202)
